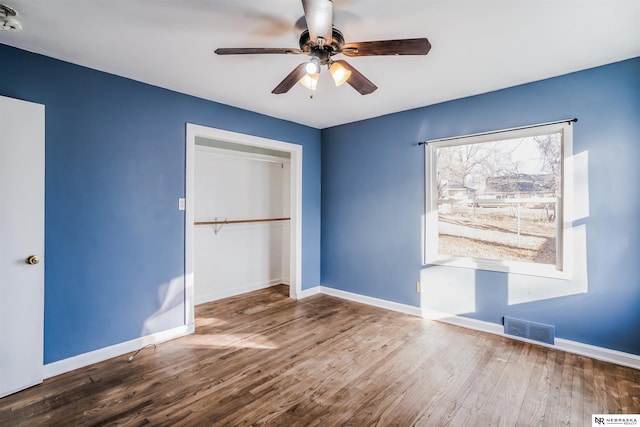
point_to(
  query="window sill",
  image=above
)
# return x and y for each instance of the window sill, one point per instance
(512, 267)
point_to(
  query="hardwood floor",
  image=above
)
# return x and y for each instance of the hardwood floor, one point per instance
(263, 358)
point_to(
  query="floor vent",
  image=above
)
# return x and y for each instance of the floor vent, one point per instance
(530, 330)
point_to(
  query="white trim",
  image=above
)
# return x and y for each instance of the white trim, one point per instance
(86, 359)
(465, 322)
(225, 152)
(189, 218)
(512, 267)
(295, 234)
(306, 293)
(599, 353)
(295, 252)
(376, 302)
(562, 270)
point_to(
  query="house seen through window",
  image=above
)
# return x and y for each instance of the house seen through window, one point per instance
(496, 201)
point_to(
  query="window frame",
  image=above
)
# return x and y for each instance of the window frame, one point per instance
(562, 268)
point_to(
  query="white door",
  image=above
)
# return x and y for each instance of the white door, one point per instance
(21, 244)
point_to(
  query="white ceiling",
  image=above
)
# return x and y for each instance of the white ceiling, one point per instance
(478, 46)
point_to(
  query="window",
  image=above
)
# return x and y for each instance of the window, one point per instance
(498, 201)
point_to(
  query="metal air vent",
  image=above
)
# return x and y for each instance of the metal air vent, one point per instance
(530, 330)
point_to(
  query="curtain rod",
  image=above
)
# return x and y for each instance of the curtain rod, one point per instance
(575, 119)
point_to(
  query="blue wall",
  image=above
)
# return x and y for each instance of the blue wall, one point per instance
(373, 201)
(115, 166)
(115, 153)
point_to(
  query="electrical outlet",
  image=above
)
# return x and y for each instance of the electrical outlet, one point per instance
(419, 287)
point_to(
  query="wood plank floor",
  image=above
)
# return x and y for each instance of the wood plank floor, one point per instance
(264, 359)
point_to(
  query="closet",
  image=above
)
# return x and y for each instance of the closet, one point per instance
(241, 219)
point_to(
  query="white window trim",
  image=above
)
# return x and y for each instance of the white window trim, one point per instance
(562, 269)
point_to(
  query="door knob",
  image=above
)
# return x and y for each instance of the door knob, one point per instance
(33, 260)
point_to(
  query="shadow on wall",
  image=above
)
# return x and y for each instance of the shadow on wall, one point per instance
(450, 290)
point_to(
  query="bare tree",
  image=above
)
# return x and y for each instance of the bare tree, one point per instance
(457, 164)
(550, 153)
(471, 164)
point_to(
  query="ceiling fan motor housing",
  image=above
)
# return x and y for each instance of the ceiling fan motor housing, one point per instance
(322, 51)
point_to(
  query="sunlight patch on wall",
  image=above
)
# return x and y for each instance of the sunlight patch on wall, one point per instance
(447, 290)
(580, 165)
(171, 311)
(524, 289)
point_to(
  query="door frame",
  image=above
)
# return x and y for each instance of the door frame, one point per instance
(295, 181)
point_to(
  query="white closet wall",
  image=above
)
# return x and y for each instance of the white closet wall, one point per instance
(240, 257)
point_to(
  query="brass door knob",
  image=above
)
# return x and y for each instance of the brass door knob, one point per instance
(33, 260)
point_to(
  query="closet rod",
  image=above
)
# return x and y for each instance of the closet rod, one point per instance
(238, 221)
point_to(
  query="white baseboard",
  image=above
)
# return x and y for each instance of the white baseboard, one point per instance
(376, 302)
(465, 322)
(306, 293)
(599, 353)
(86, 359)
(607, 355)
(226, 293)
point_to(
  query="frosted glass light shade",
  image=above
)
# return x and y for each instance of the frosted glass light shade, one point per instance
(310, 81)
(339, 73)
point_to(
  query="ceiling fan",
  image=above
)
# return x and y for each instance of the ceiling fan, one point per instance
(321, 41)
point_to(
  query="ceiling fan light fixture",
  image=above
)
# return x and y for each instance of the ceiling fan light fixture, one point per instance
(339, 73)
(310, 81)
(313, 66)
(7, 20)
(320, 41)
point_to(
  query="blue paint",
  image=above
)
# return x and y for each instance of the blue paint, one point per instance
(115, 166)
(372, 202)
(373, 193)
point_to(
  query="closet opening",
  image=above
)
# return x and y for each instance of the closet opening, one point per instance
(242, 215)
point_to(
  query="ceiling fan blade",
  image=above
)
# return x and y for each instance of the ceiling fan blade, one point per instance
(255, 50)
(291, 79)
(419, 46)
(357, 80)
(319, 17)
